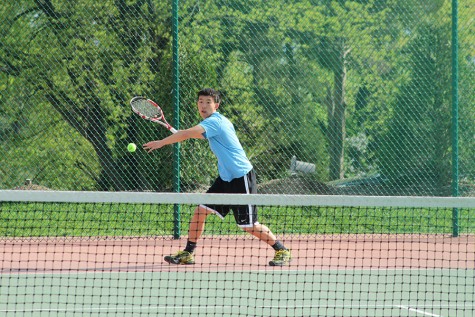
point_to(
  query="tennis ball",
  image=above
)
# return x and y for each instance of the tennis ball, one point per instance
(131, 147)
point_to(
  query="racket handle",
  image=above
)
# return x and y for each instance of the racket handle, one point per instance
(173, 130)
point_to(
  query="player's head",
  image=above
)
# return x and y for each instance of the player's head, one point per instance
(210, 92)
(208, 102)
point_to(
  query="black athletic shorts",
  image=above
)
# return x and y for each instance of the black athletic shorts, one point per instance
(245, 215)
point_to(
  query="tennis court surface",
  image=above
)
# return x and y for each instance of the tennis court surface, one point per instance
(101, 254)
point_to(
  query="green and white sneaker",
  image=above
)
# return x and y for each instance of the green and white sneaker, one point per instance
(281, 258)
(181, 257)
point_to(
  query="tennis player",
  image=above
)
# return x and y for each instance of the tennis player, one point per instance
(236, 175)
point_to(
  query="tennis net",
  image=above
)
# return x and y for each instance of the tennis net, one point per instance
(102, 254)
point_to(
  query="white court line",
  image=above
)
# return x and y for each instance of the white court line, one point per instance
(89, 309)
(419, 311)
(217, 307)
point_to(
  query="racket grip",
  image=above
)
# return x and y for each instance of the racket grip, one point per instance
(173, 130)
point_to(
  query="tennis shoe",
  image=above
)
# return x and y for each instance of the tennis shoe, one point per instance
(281, 258)
(181, 257)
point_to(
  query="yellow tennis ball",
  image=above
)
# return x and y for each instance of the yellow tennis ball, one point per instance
(131, 147)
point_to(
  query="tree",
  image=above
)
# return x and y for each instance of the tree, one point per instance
(416, 147)
(85, 65)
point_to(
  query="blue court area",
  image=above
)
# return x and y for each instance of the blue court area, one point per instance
(372, 292)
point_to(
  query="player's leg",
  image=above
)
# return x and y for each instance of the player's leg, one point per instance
(282, 254)
(262, 233)
(197, 225)
(246, 218)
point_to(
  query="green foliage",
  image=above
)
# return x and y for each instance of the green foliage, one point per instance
(139, 220)
(466, 89)
(418, 140)
(355, 87)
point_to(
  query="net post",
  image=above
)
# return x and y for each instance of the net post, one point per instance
(176, 118)
(455, 184)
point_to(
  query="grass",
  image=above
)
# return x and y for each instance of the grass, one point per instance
(91, 220)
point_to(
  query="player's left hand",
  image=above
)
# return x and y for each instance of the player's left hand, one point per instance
(153, 145)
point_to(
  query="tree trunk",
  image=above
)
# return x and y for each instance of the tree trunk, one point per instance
(336, 119)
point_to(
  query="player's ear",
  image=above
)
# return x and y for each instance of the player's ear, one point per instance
(216, 106)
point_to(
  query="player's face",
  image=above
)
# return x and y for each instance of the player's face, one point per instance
(206, 106)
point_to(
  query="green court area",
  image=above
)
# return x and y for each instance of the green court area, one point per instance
(373, 292)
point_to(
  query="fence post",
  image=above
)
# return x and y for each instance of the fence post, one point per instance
(455, 180)
(176, 117)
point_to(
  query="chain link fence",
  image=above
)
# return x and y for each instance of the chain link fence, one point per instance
(327, 96)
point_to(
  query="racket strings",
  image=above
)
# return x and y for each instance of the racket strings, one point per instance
(147, 109)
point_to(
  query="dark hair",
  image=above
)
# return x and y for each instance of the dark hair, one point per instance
(210, 92)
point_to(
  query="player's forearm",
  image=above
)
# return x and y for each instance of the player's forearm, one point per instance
(180, 136)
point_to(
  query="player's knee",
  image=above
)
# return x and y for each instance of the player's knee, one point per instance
(249, 229)
(202, 211)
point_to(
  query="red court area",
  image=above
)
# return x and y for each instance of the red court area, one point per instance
(236, 253)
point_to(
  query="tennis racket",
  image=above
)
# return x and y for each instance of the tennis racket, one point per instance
(149, 110)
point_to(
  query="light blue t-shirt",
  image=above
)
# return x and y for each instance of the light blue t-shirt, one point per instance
(223, 141)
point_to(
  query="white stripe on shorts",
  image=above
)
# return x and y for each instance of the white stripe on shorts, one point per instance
(249, 206)
(213, 211)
